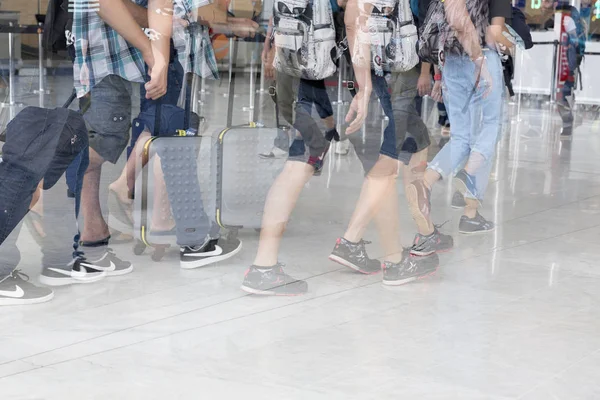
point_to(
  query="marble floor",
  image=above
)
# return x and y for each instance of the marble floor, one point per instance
(511, 315)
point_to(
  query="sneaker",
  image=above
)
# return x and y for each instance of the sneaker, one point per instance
(112, 264)
(16, 290)
(471, 226)
(212, 251)
(332, 134)
(343, 147)
(419, 202)
(318, 162)
(424, 245)
(466, 185)
(566, 132)
(275, 153)
(409, 269)
(354, 256)
(272, 281)
(78, 271)
(458, 200)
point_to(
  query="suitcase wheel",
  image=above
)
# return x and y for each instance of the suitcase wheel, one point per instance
(139, 248)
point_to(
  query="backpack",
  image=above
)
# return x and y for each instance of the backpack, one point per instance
(392, 34)
(519, 24)
(437, 38)
(579, 43)
(304, 38)
(57, 26)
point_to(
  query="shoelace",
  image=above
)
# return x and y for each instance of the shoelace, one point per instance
(17, 273)
(440, 226)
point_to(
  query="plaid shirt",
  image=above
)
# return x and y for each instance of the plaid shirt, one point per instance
(100, 51)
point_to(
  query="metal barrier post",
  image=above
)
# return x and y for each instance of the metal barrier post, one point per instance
(11, 72)
(554, 73)
(262, 79)
(340, 82)
(250, 107)
(41, 89)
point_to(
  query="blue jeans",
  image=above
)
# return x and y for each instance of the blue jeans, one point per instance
(40, 144)
(314, 92)
(476, 128)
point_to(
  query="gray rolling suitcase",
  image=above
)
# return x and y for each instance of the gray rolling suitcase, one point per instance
(173, 168)
(243, 178)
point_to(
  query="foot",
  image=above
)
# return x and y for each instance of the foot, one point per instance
(445, 132)
(409, 269)
(78, 271)
(343, 147)
(419, 202)
(424, 245)
(272, 281)
(212, 251)
(16, 289)
(458, 200)
(354, 256)
(318, 162)
(465, 184)
(275, 153)
(472, 226)
(111, 264)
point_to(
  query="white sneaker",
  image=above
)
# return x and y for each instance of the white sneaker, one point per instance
(343, 147)
(275, 152)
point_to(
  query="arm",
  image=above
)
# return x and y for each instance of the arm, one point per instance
(355, 21)
(424, 82)
(160, 21)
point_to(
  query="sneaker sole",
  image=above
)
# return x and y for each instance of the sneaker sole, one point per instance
(413, 205)
(49, 281)
(457, 207)
(481, 232)
(462, 188)
(409, 280)
(22, 302)
(208, 260)
(348, 264)
(120, 272)
(422, 253)
(250, 290)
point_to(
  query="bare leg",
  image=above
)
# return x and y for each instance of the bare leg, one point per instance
(387, 220)
(162, 219)
(94, 226)
(280, 202)
(379, 182)
(123, 186)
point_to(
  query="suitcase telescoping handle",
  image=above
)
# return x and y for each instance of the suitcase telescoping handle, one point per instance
(231, 89)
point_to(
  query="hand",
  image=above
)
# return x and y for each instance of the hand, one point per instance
(424, 84)
(483, 78)
(495, 39)
(436, 92)
(357, 113)
(157, 87)
(267, 60)
(242, 27)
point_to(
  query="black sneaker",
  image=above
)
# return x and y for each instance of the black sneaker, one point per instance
(212, 251)
(16, 290)
(458, 200)
(424, 245)
(472, 226)
(332, 134)
(354, 256)
(566, 132)
(78, 271)
(318, 162)
(409, 269)
(112, 264)
(272, 281)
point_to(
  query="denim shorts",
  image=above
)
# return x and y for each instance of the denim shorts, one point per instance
(108, 116)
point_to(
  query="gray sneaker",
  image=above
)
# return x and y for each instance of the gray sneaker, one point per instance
(16, 289)
(472, 226)
(436, 242)
(458, 200)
